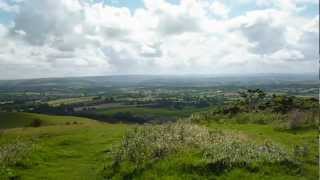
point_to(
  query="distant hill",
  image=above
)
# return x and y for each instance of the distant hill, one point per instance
(159, 81)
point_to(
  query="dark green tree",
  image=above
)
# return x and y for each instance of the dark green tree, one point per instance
(252, 98)
(282, 103)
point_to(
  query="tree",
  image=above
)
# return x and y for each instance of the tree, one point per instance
(252, 98)
(282, 103)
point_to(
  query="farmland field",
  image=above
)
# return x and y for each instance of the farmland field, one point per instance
(67, 101)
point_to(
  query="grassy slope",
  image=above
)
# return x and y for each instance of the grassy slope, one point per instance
(79, 151)
(14, 120)
(75, 151)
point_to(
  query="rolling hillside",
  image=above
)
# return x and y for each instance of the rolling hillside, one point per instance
(19, 119)
(87, 149)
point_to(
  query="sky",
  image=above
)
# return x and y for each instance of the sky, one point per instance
(62, 38)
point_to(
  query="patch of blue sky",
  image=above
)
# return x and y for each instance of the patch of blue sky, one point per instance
(311, 10)
(241, 9)
(6, 17)
(131, 4)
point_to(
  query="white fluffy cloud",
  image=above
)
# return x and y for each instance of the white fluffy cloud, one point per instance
(78, 37)
(219, 9)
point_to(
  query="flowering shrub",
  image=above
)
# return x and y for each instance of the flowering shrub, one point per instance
(144, 145)
(229, 153)
(156, 141)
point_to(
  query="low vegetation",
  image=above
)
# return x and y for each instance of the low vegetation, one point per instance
(216, 151)
(14, 155)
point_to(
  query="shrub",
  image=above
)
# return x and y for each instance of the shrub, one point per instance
(232, 153)
(145, 145)
(232, 110)
(36, 123)
(157, 141)
(13, 154)
(296, 119)
(311, 118)
(300, 151)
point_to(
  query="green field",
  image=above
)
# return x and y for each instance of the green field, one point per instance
(66, 101)
(81, 151)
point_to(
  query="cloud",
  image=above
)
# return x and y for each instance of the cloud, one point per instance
(263, 31)
(10, 8)
(80, 37)
(44, 20)
(219, 9)
(308, 43)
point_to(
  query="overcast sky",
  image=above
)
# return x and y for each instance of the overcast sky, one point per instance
(57, 38)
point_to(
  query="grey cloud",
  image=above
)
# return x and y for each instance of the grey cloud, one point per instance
(115, 33)
(42, 19)
(268, 38)
(70, 42)
(171, 25)
(59, 55)
(120, 60)
(309, 45)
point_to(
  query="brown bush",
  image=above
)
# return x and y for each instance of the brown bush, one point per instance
(36, 123)
(296, 119)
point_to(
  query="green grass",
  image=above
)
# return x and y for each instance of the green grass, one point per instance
(75, 151)
(66, 101)
(190, 166)
(264, 132)
(19, 119)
